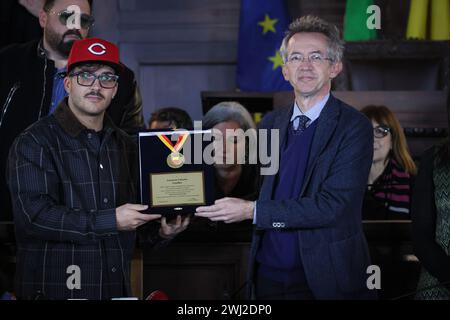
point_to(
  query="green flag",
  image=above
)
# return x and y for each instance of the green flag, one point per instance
(355, 24)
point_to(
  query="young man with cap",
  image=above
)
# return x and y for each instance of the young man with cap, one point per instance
(72, 177)
(32, 81)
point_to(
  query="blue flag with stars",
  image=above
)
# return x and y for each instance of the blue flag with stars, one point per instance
(262, 28)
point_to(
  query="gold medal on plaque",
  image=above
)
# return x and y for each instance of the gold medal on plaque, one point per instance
(175, 160)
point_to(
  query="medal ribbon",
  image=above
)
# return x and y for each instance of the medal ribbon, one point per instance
(178, 146)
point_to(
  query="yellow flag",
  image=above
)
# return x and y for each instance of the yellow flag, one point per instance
(440, 20)
(417, 22)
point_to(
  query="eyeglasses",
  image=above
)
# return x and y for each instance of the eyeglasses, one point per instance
(87, 79)
(313, 58)
(86, 21)
(381, 131)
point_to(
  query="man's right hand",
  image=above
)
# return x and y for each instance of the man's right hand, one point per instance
(129, 218)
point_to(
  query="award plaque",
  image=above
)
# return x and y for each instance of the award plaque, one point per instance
(183, 188)
(171, 182)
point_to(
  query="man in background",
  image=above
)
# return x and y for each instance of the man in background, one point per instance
(170, 118)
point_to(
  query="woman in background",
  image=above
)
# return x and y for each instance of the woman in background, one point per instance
(233, 179)
(390, 178)
(388, 196)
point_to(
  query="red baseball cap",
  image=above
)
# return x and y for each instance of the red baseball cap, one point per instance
(94, 50)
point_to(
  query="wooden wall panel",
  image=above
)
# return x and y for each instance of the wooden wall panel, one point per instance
(415, 110)
(179, 85)
(192, 271)
(196, 35)
(176, 48)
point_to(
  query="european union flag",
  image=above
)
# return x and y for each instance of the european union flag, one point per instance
(262, 27)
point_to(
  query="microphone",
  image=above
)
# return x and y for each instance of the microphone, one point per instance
(158, 295)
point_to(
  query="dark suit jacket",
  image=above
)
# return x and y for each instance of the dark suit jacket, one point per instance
(327, 213)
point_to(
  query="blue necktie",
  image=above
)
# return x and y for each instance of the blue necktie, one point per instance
(299, 124)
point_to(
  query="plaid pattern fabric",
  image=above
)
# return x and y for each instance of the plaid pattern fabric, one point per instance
(65, 183)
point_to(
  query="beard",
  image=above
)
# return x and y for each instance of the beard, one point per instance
(57, 43)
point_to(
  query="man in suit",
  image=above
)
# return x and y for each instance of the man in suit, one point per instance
(308, 242)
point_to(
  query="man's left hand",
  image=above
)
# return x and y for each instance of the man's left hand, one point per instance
(171, 230)
(228, 210)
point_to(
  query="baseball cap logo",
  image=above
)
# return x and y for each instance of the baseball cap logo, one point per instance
(98, 49)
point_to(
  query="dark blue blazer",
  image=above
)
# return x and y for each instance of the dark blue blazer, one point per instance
(327, 213)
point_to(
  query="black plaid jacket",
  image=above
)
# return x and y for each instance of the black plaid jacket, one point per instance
(65, 183)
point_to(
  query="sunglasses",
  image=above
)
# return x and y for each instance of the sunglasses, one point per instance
(381, 131)
(86, 21)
